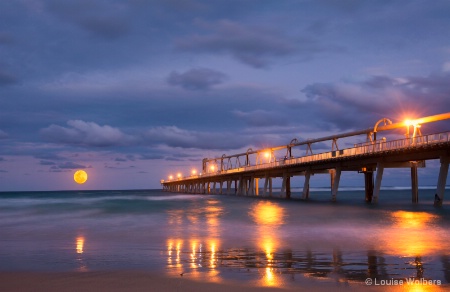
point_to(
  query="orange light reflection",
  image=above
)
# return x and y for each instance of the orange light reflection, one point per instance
(80, 244)
(413, 234)
(267, 215)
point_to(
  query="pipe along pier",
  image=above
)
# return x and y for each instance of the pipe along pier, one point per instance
(239, 174)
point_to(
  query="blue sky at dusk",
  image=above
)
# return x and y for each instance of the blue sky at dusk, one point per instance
(132, 91)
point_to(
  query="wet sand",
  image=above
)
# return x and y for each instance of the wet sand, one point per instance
(130, 281)
(144, 281)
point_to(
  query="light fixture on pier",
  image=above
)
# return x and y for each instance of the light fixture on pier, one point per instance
(170, 177)
(212, 167)
(194, 172)
(178, 175)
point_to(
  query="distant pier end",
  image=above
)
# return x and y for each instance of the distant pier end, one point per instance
(239, 174)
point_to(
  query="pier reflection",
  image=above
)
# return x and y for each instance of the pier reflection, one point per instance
(403, 251)
(413, 234)
(267, 216)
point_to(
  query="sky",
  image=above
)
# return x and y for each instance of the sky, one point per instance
(133, 91)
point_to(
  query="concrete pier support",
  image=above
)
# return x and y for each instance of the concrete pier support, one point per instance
(267, 186)
(368, 185)
(240, 186)
(376, 191)
(256, 186)
(228, 187)
(251, 187)
(442, 180)
(414, 183)
(305, 193)
(335, 178)
(288, 187)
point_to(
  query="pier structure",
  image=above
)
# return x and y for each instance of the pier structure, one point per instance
(240, 174)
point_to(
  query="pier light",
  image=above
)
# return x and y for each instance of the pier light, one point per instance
(179, 175)
(170, 177)
(194, 172)
(212, 167)
(267, 155)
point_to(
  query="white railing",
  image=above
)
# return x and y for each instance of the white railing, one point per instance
(359, 149)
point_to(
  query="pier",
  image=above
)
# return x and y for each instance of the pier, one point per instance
(240, 174)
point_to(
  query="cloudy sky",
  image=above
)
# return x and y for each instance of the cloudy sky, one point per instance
(135, 90)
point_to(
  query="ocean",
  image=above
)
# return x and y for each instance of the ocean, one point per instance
(269, 242)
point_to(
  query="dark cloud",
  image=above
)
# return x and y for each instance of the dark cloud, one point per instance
(7, 78)
(120, 159)
(175, 137)
(6, 38)
(3, 135)
(151, 156)
(68, 165)
(104, 19)
(262, 118)
(252, 46)
(196, 79)
(85, 134)
(45, 162)
(341, 105)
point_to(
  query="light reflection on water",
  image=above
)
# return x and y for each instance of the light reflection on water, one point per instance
(407, 247)
(220, 238)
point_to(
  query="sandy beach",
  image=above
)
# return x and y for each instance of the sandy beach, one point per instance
(145, 281)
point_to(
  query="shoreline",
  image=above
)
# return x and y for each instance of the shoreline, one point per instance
(113, 281)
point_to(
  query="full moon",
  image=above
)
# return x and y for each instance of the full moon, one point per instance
(80, 177)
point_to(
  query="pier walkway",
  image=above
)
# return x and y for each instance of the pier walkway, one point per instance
(239, 174)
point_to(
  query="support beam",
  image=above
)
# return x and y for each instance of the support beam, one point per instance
(266, 183)
(240, 187)
(283, 185)
(288, 187)
(228, 187)
(305, 193)
(442, 180)
(376, 192)
(414, 183)
(256, 186)
(368, 185)
(251, 187)
(335, 178)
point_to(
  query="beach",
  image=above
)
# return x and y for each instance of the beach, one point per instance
(155, 241)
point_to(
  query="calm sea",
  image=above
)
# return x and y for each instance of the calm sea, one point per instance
(269, 242)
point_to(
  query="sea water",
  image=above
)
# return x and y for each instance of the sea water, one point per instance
(265, 241)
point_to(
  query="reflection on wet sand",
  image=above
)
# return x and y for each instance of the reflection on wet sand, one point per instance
(410, 235)
(413, 234)
(204, 219)
(267, 216)
(80, 244)
(79, 248)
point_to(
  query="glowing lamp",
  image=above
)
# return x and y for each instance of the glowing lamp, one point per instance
(194, 172)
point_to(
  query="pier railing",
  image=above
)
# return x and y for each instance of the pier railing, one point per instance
(359, 149)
